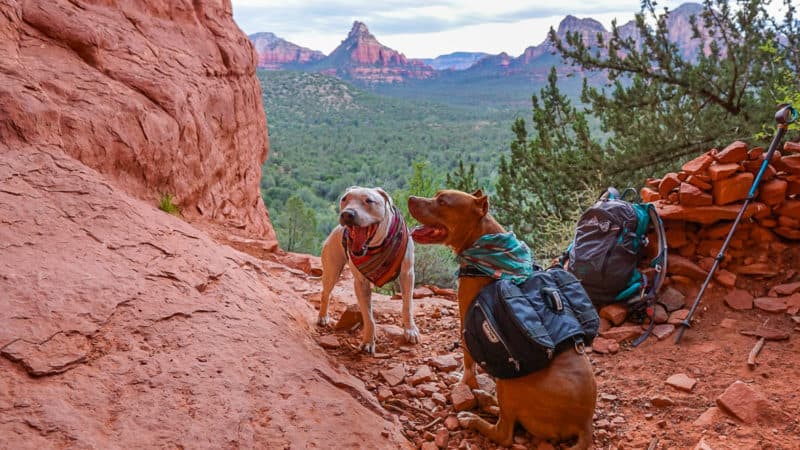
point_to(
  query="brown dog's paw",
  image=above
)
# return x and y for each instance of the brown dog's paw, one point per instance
(368, 347)
(467, 419)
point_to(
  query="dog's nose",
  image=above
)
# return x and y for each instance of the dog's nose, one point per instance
(347, 217)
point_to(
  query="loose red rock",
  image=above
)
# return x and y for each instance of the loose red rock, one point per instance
(462, 398)
(732, 189)
(682, 381)
(739, 300)
(743, 402)
(734, 152)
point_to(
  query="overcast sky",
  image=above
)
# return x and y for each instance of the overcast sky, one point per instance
(426, 28)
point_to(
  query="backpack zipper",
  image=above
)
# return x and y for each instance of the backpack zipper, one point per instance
(511, 358)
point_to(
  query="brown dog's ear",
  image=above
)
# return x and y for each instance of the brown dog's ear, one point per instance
(483, 204)
(478, 193)
(385, 196)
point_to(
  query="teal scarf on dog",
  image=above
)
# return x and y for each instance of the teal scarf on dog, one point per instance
(499, 256)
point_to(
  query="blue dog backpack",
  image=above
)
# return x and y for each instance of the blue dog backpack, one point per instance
(512, 330)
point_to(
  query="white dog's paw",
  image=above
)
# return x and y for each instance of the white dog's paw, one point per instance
(368, 347)
(324, 321)
(466, 419)
(411, 335)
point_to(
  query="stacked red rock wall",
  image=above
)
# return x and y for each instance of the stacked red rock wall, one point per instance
(700, 202)
(159, 96)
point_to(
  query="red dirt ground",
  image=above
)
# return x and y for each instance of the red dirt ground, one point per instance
(627, 381)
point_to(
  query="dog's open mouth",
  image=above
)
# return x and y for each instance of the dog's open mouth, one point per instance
(429, 234)
(359, 237)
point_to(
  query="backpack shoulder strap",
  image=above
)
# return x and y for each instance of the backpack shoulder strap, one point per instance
(660, 261)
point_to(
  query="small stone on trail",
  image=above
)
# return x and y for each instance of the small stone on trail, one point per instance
(445, 363)
(728, 323)
(677, 317)
(681, 381)
(708, 418)
(462, 397)
(451, 422)
(743, 402)
(328, 341)
(422, 375)
(725, 278)
(702, 445)
(442, 436)
(429, 445)
(604, 346)
(395, 375)
(663, 331)
(739, 300)
(770, 304)
(623, 333)
(661, 401)
(384, 393)
(672, 299)
(350, 318)
(614, 313)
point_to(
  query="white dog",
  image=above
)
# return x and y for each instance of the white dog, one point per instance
(373, 238)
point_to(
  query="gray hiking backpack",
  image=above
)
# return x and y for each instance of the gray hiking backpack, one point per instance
(607, 251)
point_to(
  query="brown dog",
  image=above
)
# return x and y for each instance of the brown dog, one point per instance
(555, 403)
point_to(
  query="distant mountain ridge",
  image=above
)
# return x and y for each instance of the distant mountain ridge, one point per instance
(455, 61)
(275, 53)
(361, 57)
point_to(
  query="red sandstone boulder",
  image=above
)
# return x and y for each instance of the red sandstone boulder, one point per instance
(649, 195)
(794, 185)
(790, 208)
(733, 153)
(791, 147)
(721, 171)
(698, 165)
(678, 265)
(708, 214)
(773, 191)
(668, 183)
(159, 96)
(791, 164)
(690, 195)
(699, 182)
(732, 189)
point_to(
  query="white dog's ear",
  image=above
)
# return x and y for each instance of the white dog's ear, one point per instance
(385, 196)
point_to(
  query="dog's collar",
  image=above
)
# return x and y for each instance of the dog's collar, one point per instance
(497, 256)
(382, 263)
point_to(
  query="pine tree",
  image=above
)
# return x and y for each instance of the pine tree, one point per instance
(462, 179)
(666, 104)
(296, 226)
(544, 180)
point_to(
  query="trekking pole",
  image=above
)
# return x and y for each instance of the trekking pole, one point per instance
(785, 115)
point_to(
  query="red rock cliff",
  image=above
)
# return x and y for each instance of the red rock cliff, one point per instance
(157, 95)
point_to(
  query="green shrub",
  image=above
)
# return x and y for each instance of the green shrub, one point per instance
(167, 204)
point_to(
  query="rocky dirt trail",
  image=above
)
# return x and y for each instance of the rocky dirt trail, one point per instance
(657, 396)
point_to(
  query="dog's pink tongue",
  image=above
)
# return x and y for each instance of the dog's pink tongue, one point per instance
(358, 238)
